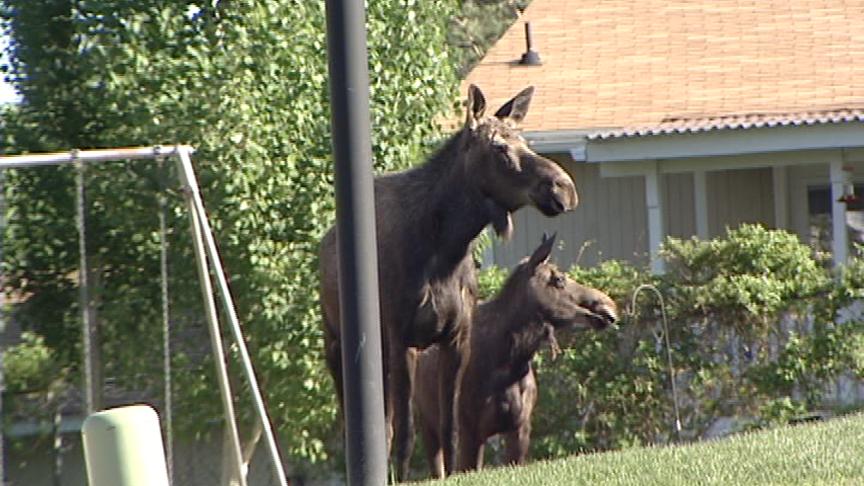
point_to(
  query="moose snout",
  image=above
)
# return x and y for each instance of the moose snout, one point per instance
(608, 315)
(565, 193)
(559, 195)
(605, 314)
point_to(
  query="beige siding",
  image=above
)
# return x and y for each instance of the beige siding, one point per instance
(611, 220)
(739, 196)
(610, 223)
(679, 207)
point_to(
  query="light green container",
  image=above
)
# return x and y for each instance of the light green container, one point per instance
(123, 447)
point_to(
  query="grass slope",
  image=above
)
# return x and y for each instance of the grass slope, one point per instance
(827, 453)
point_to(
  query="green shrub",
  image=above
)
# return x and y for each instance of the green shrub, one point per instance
(750, 275)
(29, 365)
(490, 280)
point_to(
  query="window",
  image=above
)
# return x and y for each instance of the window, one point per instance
(819, 207)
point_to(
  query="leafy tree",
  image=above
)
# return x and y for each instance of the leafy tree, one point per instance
(245, 82)
(477, 25)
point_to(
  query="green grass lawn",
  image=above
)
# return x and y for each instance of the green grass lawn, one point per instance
(826, 453)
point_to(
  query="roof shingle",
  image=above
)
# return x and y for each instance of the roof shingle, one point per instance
(662, 66)
(732, 122)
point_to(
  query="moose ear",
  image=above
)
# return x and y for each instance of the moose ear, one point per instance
(541, 254)
(476, 106)
(516, 108)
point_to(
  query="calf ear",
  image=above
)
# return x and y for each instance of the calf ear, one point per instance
(516, 108)
(541, 254)
(476, 106)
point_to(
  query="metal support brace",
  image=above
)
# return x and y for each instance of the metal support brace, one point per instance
(213, 324)
(187, 176)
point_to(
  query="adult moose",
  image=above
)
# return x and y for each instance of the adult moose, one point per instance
(498, 390)
(427, 218)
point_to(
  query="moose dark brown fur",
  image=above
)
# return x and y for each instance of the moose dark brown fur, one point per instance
(427, 218)
(498, 390)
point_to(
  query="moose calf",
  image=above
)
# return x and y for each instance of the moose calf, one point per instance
(498, 391)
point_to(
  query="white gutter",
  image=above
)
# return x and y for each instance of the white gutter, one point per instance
(559, 141)
(719, 142)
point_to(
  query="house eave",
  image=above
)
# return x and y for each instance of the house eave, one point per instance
(713, 143)
(558, 141)
(729, 142)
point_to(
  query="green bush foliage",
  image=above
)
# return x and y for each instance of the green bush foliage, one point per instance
(29, 365)
(750, 274)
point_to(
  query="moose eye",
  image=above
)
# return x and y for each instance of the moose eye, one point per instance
(557, 281)
(499, 145)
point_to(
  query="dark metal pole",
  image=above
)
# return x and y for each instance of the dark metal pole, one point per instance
(358, 263)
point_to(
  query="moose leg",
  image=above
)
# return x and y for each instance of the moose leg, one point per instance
(448, 370)
(470, 449)
(388, 401)
(398, 391)
(403, 416)
(333, 356)
(517, 444)
(434, 456)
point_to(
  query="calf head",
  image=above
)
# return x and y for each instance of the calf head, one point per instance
(506, 171)
(561, 301)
